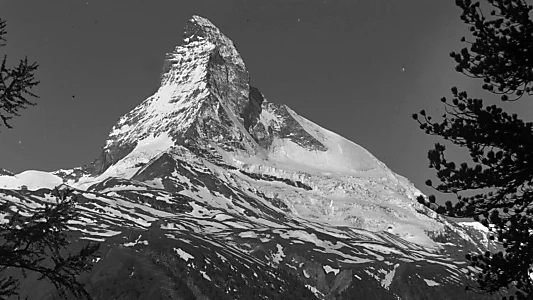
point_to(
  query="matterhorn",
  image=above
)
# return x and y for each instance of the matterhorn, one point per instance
(207, 190)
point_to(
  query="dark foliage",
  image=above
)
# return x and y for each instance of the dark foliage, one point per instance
(501, 51)
(496, 187)
(15, 84)
(38, 243)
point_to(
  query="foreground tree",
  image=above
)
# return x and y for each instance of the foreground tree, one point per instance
(15, 84)
(496, 187)
(36, 242)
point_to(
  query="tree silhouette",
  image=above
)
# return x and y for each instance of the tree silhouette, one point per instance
(15, 84)
(36, 242)
(496, 187)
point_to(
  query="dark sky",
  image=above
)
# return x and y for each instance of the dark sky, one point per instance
(357, 67)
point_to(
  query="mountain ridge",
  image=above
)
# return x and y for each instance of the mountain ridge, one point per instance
(207, 167)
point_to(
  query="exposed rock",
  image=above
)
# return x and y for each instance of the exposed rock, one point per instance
(4, 172)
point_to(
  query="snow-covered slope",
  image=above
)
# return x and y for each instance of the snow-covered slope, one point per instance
(208, 161)
(32, 180)
(205, 104)
(338, 155)
(213, 248)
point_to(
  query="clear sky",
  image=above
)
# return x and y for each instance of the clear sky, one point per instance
(357, 67)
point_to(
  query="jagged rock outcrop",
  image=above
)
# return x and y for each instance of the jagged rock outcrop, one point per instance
(5, 172)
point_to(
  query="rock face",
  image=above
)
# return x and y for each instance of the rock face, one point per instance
(4, 172)
(204, 95)
(232, 192)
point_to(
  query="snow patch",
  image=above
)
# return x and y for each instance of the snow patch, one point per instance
(184, 255)
(172, 226)
(328, 269)
(204, 274)
(475, 225)
(315, 291)
(278, 256)
(248, 234)
(3, 218)
(136, 242)
(431, 282)
(32, 180)
(389, 277)
(92, 239)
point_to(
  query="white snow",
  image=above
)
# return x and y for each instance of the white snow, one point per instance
(204, 274)
(106, 233)
(369, 273)
(33, 180)
(222, 217)
(475, 225)
(184, 255)
(248, 234)
(278, 256)
(145, 150)
(380, 248)
(342, 155)
(172, 226)
(136, 242)
(92, 239)
(237, 225)
(315, 291)
(3, 218)
(431, 282)
(389, 277)
(328, 269)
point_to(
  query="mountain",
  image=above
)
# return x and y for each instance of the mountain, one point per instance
(5, 172)
(206, 190)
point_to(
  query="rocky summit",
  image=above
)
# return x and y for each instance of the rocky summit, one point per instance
(206, 190)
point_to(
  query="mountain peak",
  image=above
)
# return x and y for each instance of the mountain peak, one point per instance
(204, 95)
(198, 28)
(205, 101)
(202, 22)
